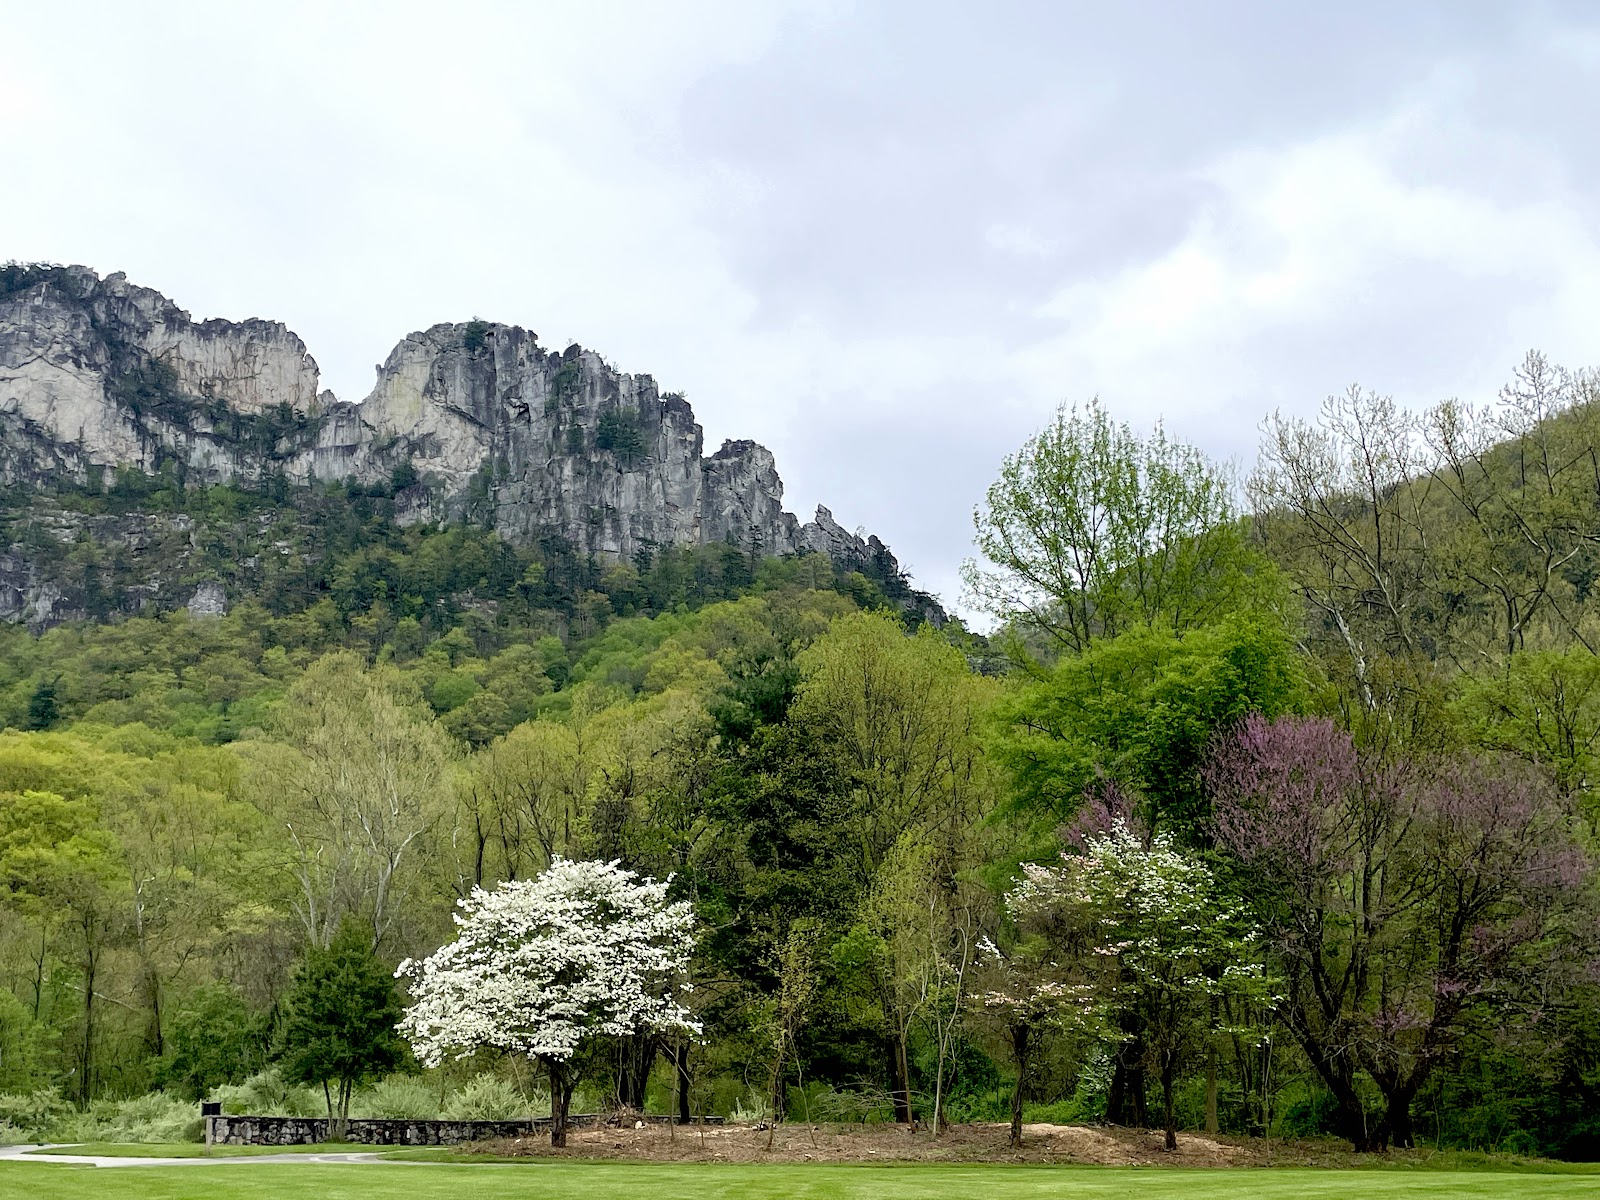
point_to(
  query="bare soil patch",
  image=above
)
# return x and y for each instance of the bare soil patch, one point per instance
(1103, 1145)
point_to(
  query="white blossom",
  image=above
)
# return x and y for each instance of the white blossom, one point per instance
(540, 964)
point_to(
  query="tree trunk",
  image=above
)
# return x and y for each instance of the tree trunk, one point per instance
(1397, 1121)
(776, 1098)
(1213, 1125)
(1021, 1051)
(681, 1063)
(38, 974)
(1169, 1107)
(1353, 1123)
(1364, 1139)
(341, 1123)
(91, 963)
(899, 1079)
(633, 1079)
(560, 1098)
(1125, 1101)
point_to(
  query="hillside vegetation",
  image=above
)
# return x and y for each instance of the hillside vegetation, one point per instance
(1278, 820)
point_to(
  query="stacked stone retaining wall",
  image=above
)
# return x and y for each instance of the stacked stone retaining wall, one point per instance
(305, 1131)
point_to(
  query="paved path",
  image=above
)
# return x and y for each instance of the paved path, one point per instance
(15, 1153)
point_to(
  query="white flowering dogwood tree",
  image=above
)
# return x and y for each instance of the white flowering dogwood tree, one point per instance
(1175, 950)
(540, 966)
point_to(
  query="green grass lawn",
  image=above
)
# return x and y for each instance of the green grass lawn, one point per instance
(545, 1180)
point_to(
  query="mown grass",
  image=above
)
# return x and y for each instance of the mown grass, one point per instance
(546, 1180)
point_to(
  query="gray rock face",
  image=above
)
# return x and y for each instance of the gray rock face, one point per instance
(209, 600)
(98, 374)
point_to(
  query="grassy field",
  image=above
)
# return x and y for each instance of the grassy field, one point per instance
(547, 1180)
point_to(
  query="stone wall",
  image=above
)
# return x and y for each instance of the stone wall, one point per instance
(305, 1131)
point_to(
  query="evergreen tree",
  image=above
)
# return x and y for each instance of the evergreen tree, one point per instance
(342, 1015)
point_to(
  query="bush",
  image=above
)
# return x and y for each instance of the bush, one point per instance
(398, 1097)
(488, 1098)
(33, 1116)
(750, 1109)
(267, 1095)
(215, 1040)
(153, 1117)
(819, 1102)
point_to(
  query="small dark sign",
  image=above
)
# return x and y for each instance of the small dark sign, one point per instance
(211, 1108)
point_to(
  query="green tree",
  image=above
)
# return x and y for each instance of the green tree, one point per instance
(44, 710)
(214, 1039)
(342, 1013)
(896, 718)
(62, 872)
(1139, 711)
(356, 776)
(1091, 530)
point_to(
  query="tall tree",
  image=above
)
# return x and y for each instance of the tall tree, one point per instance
(897, 717)
(1139, 710)
(342, 1015)
(1402, 897)
(1092, 529)
(356, 776)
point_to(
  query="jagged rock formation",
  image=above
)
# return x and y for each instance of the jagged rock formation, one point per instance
(99, 374)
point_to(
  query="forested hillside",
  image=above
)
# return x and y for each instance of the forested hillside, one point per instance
(1268, 817)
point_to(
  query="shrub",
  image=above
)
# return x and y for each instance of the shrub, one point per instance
(750, 1109)
(398, 1097)
(153, 1117)
(214, 1040)
(34, 1115)
(489, 1098)
(267, 1095)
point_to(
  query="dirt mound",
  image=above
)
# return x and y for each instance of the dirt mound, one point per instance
(1103, 1145)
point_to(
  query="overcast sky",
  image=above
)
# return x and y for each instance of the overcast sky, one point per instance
(883, 239)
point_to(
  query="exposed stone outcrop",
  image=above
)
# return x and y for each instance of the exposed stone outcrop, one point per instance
(98, 374)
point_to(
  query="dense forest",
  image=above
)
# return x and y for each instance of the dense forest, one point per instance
(1266, 807)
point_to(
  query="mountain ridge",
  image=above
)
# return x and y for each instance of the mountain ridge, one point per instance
(476, 419)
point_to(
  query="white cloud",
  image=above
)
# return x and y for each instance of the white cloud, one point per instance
(1316, 245)
(916, 234)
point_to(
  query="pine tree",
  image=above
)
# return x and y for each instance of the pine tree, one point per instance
(342, 1015)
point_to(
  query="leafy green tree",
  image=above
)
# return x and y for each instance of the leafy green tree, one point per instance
(342, 1011)
(897, 718)
(23, 1046)
(1139, 711)
(214, 1039)
(1092, 530)
(44, 710)
(357, 782)
(62, 873)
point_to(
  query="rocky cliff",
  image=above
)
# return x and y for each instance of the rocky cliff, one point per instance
(100, 375)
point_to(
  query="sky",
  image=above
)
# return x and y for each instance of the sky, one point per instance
(886, 240)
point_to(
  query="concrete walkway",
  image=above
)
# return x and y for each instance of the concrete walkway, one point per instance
(22, 1153)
